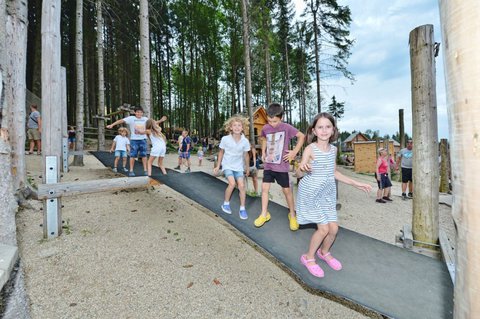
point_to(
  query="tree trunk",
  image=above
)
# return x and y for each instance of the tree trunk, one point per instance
(461, 35)
(248, 71)
(80, 102)
(145, 89)
(101, 82)
(314, 8)
(444, 172)
(15, 86)
(425, 147)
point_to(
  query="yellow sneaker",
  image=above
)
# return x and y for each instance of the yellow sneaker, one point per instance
(293, 222)
(261, 220)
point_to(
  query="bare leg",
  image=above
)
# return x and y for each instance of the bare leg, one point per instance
(39, 146)
(255, 183)
(132, 162)
(265, 190)
(115, 163)
(160, 164)
(330, 238)
(410, 187)
(150, 162)
(287, 191)
(241, 189)
(32, 146)
(316, 240)
(144, 162)
(230, 188)
(124, 161)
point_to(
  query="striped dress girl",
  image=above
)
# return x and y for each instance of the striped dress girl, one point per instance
(317, 193)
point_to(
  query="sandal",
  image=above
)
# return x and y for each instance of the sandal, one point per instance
(332, 262)
(313, 269)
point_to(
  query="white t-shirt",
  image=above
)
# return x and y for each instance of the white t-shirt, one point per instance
(136, 124)
(234, 152)
(121, 143)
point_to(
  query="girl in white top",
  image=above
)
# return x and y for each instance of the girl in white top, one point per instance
(233, 157)
(159, 145)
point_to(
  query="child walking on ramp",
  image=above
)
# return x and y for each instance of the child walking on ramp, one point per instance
(159, 145)
(121, 146)
(316, 197)
(233, 157)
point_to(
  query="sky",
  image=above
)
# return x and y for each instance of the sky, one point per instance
(380, 61)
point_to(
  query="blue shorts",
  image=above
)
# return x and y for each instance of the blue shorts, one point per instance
(138, 148)
(121, 154)
(71, 140)
(236, 174)
(185, 155)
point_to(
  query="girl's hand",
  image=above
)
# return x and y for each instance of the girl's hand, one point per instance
(215, 171)
(305, 167)
(111, 151)
(364, 187)
(247, 171)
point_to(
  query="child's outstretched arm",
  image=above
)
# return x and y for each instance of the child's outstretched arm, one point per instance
(290, 156)
(264, 148)
(219, 161)
(347, 180)
(116, 123)
(161, 120)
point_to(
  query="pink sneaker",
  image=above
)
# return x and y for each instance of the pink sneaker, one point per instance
(313, 269)
(330, 260)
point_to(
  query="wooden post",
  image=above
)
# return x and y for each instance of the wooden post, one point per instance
(64, 121)
(444, 172)
(52, 112)
(461, 36)
(425, 136)
(401, 128)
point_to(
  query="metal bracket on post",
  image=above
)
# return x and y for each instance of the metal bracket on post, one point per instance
(51, 222)
(65, 154)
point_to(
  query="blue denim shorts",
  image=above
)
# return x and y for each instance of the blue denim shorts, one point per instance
(121, 154)
(235, 174)
(138, 148)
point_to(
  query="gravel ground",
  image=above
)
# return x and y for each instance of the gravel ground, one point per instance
(152, 253)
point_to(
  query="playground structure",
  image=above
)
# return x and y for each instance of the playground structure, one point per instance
(461, 84)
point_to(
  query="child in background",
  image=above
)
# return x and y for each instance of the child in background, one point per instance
(71, 138)
(233, 156)
(200, 155)
(381, 174)
(121, 145)
(159, 145)
(316, 197)
(276, 137)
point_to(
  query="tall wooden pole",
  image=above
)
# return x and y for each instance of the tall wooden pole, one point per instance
(461, 37)
(444, 165)
(101, 79)
(51, 112)
(248, 71)
(425, 136)
(401, 128)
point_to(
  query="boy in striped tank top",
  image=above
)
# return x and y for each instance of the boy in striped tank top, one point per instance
(317, 193)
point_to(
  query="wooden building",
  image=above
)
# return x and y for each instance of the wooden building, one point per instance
(366, 155)
(353, 138)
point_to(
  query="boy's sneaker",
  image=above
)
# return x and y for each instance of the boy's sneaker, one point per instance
(226, 209)
(125, 169)
(187, 170)
(243, 214)
(177, 167)
(131, 174)
(410, 195)
(380, 201)
(114, 170)
(293, 222)
(404, 196)
(387, 198)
